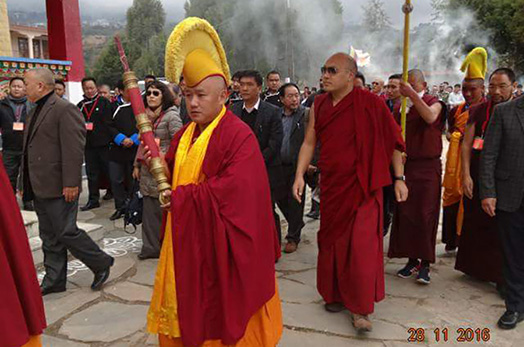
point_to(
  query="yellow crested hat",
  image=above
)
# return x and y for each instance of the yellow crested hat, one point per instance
(194, 51)
(476, 64)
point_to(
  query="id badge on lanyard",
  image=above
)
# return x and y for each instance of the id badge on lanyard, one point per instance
(89, 126)
(478, 143)
(18, 126)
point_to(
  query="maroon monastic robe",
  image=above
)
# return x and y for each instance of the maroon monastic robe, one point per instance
(224, 237)
(357, 138)
(21, 307)
(480, 253)
(415, 222)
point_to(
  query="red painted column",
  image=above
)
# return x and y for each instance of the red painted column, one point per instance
(65, 35)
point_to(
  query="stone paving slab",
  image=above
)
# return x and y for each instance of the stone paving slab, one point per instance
(145, 272)
(105, 322)
(116, 316)
(130, 291)
(59, 305)
(50, 341)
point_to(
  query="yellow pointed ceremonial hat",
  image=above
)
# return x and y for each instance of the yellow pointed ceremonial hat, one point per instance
(476, 64)
(194, 51)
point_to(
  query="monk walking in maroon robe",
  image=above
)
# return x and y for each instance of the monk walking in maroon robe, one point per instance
(480, 252)
(358, 138)
(415, 222)
(22, 318)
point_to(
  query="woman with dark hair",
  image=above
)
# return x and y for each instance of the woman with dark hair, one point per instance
(165, 118)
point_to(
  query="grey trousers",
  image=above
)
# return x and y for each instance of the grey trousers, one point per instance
(151, 224)
(59, 234)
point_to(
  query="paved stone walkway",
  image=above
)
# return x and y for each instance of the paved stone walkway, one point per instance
(116, 316)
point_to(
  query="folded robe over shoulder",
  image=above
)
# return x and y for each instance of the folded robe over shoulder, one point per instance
(21, 307)
(223, 237)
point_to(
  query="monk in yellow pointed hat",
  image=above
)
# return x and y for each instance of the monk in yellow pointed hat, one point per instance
(474, 66)
(215, 284)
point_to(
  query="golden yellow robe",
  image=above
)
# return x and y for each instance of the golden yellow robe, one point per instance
(453, 174)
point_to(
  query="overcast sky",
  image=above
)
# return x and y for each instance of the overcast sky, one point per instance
(175, 8)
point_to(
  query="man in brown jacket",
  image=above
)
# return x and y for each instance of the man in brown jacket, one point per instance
(54, 143)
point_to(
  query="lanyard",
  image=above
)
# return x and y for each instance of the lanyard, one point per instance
(158, 120)
(485, 124)
(90, 112)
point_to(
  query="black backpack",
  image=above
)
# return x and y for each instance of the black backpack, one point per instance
(133, 209)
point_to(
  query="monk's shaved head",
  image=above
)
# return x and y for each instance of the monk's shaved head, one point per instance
(417, 75)
(205, 100)
(346, 60)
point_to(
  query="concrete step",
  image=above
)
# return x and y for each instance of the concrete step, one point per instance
(95, 231)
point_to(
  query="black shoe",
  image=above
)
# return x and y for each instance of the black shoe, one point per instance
(108, 196)
(89, 206)
(100, 277)
(409, 270)
(44, 290)
(313, 214)
(141, 256)
(510, 319)
(117, 215)
(423, 275)
(334, 307)
(28, 206)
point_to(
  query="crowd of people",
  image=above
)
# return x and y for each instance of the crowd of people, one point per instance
(234, 154)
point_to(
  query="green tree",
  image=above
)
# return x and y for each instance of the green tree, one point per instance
(505, 20)
(144, 42)
(375, 16)
(266, 35)
(145, 19)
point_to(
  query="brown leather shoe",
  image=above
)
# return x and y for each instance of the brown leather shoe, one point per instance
(361, 323)
(290, 247)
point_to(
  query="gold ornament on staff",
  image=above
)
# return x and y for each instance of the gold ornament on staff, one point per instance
(144, 125)
(407, 8)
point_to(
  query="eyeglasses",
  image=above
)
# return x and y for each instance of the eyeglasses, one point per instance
(330, 70)
(153, 92)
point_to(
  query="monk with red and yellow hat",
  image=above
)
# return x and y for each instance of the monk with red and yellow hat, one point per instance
(215, 283)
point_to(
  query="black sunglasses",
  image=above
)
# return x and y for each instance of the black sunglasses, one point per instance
(331, 70)
(154, 92)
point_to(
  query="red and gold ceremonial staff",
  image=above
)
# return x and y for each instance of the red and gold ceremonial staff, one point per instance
(407, 8)
(143, 123)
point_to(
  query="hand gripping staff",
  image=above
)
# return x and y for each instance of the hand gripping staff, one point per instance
(143, 124)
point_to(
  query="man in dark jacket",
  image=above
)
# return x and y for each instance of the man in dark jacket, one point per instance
(502, 194)
(122, 151)
(13, 112)
(294, 123)
(54, 143)
(273, 84)
(97, 112)
(266, 122)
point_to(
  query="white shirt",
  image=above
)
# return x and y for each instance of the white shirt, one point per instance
(455, 99)
(255, 107)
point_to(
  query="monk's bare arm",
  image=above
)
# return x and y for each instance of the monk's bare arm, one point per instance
(431, 113)
(467, 146)
(428, 113)
(401, 190)
(305, 156)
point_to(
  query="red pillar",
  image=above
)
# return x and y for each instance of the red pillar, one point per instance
(65, 35)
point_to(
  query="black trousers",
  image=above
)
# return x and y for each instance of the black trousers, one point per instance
(121, 176)
(59, 234)
(511, 231)
(97, 160)
(12, 163)
(292, 210)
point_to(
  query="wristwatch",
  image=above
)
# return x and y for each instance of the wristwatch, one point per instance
(400, 178)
